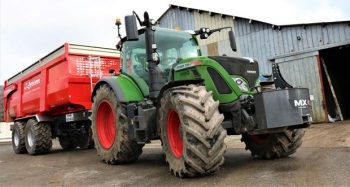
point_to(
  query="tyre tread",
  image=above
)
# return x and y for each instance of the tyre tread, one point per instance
(21, 148)
(201, 120)
(279, 145)
(42, 136)
(127, 151)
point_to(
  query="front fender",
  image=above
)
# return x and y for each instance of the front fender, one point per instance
(174, 84)
(199, 67)
(123, 86)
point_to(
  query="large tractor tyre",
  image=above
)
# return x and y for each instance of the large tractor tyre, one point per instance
(110, 129)
(38, 137)
(274, 145)
(67, 142)
(18, 138)
(191, 132)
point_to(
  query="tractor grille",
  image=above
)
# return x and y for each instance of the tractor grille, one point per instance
(239, 67)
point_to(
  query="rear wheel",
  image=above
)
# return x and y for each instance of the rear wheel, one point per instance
(37, 137)
(191, 131)
(274, 145)
(110, 130)
(18, 138)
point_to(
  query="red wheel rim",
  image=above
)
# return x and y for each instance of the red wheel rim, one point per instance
(173, 132)
(106, 123)
(260, 139)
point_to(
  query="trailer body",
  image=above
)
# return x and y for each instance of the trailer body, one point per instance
(52, 98)
(59, 83)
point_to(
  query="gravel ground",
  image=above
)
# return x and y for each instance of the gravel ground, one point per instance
(323, 160)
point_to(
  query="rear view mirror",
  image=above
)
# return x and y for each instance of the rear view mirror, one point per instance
(131, 28)
(232, 40)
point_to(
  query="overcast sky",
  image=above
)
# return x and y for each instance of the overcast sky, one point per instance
(32, 28)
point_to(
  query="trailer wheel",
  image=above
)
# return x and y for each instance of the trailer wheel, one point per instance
(274, 145)
(110, 129)
(18, 138)
(191, 131)
(67, 142)
(37, 137)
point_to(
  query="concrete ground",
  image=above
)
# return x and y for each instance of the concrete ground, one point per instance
(323, 160)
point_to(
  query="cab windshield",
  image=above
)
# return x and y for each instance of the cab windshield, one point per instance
(172, 46)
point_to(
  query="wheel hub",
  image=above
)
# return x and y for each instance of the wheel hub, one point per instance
(105, 124)
(16, 138)
(173, 132)
(30, 138)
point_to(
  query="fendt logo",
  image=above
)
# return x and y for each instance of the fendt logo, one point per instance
(29, 84)
(302, 103)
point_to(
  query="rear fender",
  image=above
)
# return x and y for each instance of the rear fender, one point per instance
(123, 86)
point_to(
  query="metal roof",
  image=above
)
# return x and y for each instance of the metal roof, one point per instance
(171, 6)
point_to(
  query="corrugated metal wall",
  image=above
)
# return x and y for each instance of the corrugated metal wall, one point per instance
(304, 72)
(286, 44)
(263, 42)
(185, 19)
(177, 18)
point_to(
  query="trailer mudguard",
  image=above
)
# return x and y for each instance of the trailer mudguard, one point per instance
(124, 88)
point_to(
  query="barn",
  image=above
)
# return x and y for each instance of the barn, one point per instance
(312, 55)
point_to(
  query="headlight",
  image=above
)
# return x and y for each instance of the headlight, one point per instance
(241, 84)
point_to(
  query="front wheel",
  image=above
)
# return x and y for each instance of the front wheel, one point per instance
(110, 129)
(274, 145)
(191, 131)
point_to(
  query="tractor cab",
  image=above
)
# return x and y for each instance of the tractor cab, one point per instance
(172, 47)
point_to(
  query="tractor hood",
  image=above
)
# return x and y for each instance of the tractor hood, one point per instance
(244, 67)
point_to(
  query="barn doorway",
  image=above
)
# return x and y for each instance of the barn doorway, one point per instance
(335, 63)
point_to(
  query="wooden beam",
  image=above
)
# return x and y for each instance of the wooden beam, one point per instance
(332, 89)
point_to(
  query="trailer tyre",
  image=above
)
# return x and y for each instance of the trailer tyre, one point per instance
(67, 142)
(274, 145)
(18, 138)
(38, 137)
(191, 132)
(110, 129)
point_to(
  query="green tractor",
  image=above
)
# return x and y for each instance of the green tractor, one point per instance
(167, 90)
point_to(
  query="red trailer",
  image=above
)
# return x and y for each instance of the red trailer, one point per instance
(52, 97)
